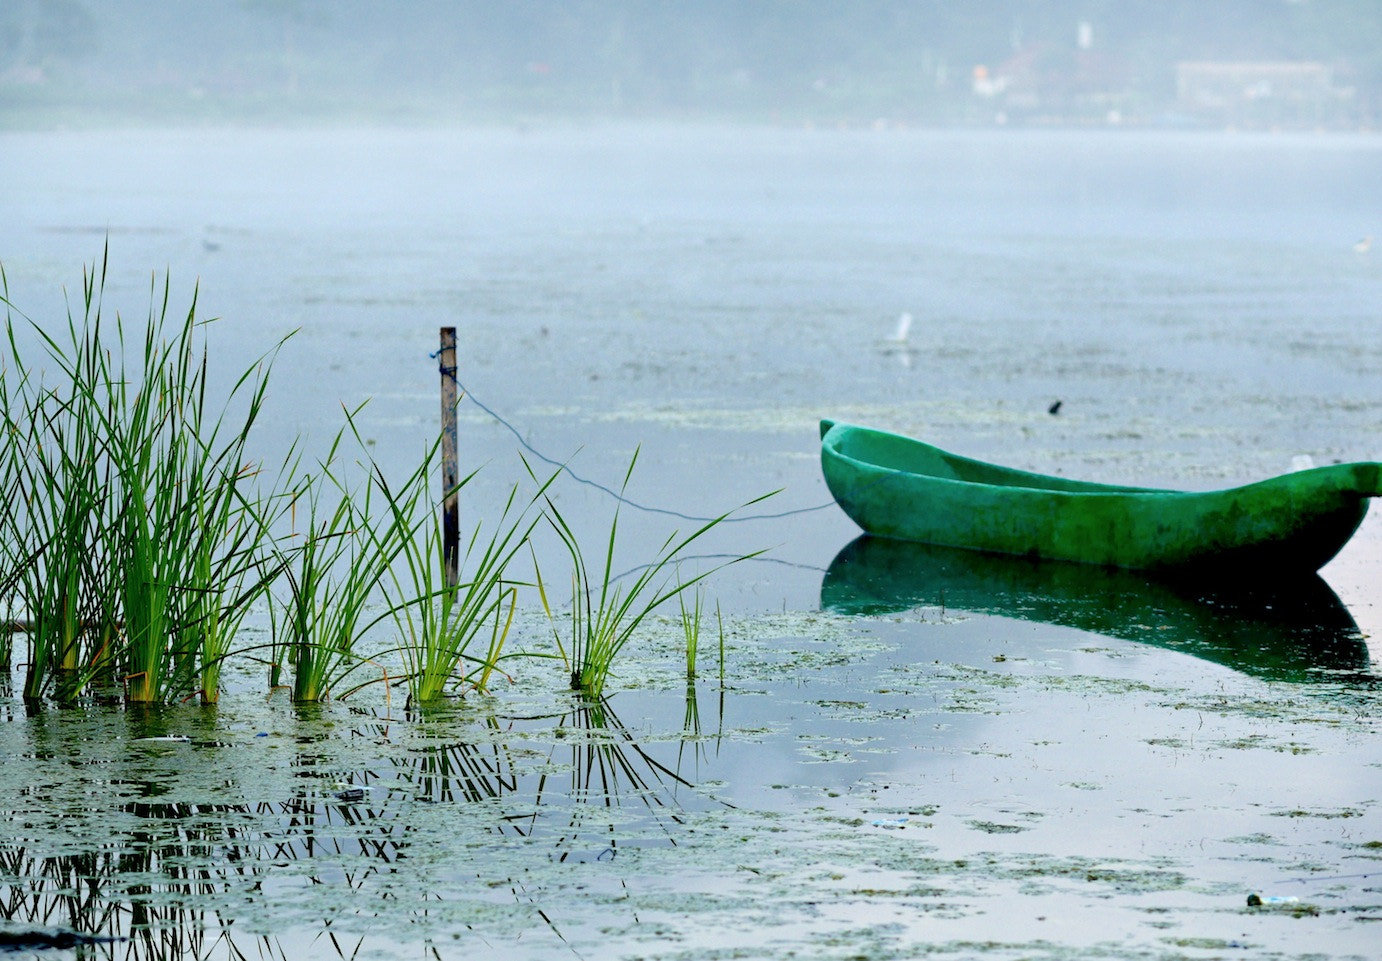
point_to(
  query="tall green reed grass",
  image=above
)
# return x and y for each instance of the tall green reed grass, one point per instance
(439, 623)
(330, 574)
(135, 532)
(607, 610)
(189, 532)
(374, 551)
(53, 518)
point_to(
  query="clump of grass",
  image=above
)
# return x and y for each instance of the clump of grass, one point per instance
(55, 513)
(607, 611)
(439, 622)
(691, 629)
(330, 572)
(135, 534)
(188, 533)
(48, 547)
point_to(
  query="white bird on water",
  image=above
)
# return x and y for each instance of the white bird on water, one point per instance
(897, 345)
(1364, 245)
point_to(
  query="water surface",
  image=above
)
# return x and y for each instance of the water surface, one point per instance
(920, 775)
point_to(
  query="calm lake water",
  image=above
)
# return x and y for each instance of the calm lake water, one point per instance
(1058, 769)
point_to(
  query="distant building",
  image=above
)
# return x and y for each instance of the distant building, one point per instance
(1265, 93)
(1052, 84)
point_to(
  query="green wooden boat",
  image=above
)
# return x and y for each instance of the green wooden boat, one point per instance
(897, 487)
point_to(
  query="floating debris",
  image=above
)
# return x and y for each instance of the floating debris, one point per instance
(1291, 905)
(891, 824)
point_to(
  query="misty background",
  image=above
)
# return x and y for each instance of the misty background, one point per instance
(1295, 64)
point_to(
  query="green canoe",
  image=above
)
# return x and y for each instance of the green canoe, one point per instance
(894, 486)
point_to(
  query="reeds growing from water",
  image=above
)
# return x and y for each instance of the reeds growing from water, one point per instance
(132, 531)
(438, 622)
(607, 610)
(137, 534)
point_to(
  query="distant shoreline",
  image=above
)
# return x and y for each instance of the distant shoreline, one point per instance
(35, 114)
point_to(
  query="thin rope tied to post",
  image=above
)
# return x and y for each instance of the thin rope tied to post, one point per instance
(565, 468)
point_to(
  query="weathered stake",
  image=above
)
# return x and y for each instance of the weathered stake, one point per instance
(450, 472)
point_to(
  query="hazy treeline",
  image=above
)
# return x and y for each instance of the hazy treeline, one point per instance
(910, 60)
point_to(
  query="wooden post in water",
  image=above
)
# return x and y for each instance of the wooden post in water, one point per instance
(450, 471)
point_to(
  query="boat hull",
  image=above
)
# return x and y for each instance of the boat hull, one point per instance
(897, 487)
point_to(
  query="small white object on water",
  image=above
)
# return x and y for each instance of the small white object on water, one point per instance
(1364, 245)
(166, 739)
(897, 345)
(1302, 462)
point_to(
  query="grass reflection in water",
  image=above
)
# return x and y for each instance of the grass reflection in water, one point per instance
(142, 863)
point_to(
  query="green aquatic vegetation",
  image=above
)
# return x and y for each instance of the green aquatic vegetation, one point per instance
(438, 622)
(47, 578)
(691, 629)
(134, 544)
(53, 486)
(330, 573)
(606, 611)
(185, 537)
(142, 533)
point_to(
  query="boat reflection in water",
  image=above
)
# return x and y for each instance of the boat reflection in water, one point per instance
(1286, 630)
